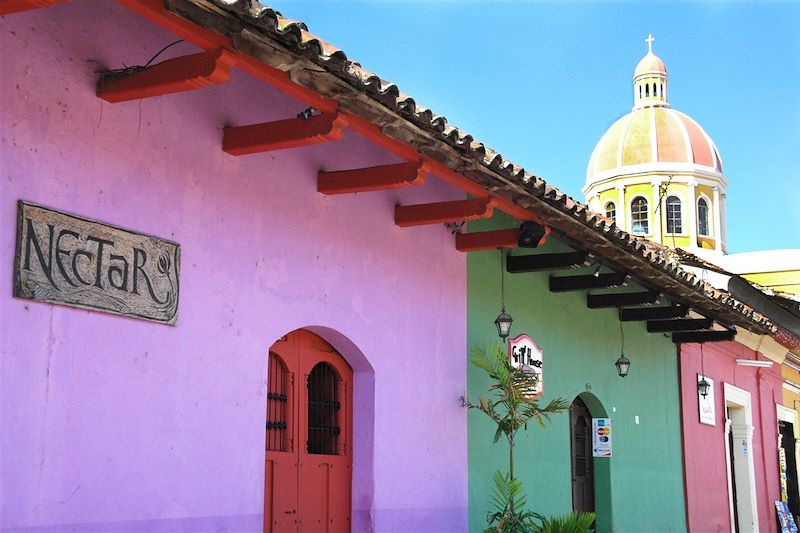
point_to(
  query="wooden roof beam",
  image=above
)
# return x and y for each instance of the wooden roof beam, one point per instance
(704, 336)
(577, 283)
(487, 240)
(599, 301)
(14, 6)
(280, 134)
(679, 324)
(442, 212)
(517, 264)
(634, 314)
(171, 76)
(371, 179)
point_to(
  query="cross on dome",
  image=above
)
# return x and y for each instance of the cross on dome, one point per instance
(649, 42)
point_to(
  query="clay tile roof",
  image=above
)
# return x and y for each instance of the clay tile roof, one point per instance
(253, 26)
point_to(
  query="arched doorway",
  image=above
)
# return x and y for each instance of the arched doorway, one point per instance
(580, 431)
(309, 443)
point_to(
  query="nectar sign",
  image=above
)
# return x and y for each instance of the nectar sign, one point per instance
(525, 355)
(69, 260)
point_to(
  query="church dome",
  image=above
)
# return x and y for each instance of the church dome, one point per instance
(653, 137)
(657, 137)
(650, 64)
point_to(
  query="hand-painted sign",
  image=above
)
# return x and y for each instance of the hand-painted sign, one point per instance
(601, 437)
(69, 260)
(706, 405)
(527, 356)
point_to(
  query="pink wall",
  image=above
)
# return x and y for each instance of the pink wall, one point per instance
(704, 446)
(113, 423)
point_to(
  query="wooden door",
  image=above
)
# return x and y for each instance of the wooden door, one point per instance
(308, 468)
(580, 422)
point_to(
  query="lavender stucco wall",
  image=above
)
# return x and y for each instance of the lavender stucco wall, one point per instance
(113, 423)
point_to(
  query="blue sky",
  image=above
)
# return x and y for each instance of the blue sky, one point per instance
(541, 81)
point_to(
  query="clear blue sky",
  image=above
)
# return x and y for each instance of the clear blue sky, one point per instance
(541, 81)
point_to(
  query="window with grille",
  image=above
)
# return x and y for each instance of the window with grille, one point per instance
(674, 224)
(611, 211)
(702, 217)
(639, 219)
(323, 410)
(277, 402)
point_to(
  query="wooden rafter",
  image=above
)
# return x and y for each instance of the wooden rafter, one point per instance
(442, 212)
(14, 6)
(371, 179)
(280, 134)
(516, 264)
(634, 314)
(679, 324)
(577, 283)
(487, 240)
(598, 301)
(704, 336)
(179, 74)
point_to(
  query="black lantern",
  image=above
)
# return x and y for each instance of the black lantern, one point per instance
(622, 364)
(503, 320)
(530, 233)
(503, 323)
(703, 386)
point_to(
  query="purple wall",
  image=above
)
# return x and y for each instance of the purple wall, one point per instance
(113, 423)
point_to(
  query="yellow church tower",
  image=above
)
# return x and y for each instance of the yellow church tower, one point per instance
(657, 173)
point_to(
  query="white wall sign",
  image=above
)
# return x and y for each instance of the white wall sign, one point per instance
(706, 405)
(527, 356)
(601, 437)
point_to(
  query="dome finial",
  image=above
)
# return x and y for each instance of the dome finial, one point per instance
(649, 42)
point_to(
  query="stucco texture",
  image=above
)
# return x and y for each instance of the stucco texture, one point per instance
(109, 423)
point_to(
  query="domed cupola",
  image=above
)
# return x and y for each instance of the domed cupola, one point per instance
(650, 80)
(656, 172)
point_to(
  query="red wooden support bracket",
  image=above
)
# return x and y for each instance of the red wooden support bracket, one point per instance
(289, 133)
(171, 76)
(487, 240)
(371, 179)
(443, 212)
(13, 6)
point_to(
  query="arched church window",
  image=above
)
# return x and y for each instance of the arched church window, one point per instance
(611, 211)
(702, 217)
(640, 91)
(640, 223)
(647, 90)
(674, 224)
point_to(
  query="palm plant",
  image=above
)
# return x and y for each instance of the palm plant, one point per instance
(511, 407)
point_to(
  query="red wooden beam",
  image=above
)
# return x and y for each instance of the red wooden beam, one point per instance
(171, 76)
(371, 179)
(443, 212)
(155, 11)
(487, 240)
(280, 134)
(13, 6)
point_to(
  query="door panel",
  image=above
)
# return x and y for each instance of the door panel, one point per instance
(313, 489)
(582, 460)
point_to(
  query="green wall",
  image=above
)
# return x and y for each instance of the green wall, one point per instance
(640, 488)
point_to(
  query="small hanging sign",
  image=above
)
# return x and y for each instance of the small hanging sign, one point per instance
(525, 355)
(601, 437)
(706, 405)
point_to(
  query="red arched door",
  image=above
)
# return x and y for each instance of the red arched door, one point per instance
(309, 451)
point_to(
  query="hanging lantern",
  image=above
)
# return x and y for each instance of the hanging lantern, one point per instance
(702, 387)
(503, 323)
(622, 364)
